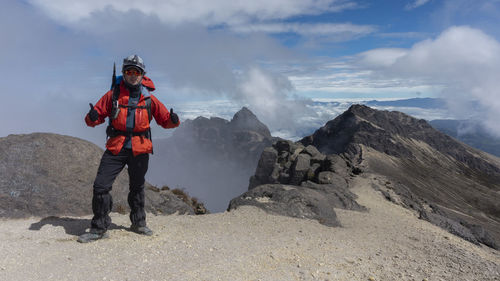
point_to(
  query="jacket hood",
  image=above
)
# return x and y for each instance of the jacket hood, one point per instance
(148, 83)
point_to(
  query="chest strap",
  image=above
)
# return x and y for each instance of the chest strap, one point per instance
(147, 100)
(112, 132)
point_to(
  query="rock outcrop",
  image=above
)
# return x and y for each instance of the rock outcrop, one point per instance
(44, 174)
(291, 163)
(297, 181)
(211, 158)
(447, 182)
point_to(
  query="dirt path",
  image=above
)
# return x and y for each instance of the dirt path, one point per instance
(387, 243)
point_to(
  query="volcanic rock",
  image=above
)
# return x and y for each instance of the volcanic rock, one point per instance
(310, 201)
(422, 167)
(297, 181)
(44, 174)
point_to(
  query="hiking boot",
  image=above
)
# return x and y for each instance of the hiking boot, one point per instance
(92, 235)
(144, 230)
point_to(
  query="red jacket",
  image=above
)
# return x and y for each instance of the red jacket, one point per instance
(140, 144)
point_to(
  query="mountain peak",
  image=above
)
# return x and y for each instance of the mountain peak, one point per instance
(447, 182)
(394, 122)
(359, 109)
(244, 119)
(244, 112)
(385, 131)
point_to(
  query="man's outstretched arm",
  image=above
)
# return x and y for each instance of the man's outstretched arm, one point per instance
(103, 107)
(162, 115)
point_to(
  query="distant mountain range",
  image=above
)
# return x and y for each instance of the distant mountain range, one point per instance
(471, 133)
(428, 103)
(424, 103)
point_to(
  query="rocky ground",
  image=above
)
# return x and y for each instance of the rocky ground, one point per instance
(386, 243)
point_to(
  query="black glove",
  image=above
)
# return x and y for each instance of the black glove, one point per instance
(174, 117)
(93, 114)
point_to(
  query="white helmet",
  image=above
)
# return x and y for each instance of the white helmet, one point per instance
(135, 61)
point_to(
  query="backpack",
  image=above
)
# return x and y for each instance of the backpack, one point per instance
(116, 93)
(110, 130)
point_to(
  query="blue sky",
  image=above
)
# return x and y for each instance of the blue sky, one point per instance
(273, 56)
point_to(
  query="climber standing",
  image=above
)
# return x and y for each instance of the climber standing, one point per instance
(130, 107)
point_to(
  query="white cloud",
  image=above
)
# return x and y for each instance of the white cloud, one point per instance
(51, 64)
(319, 29)
(175, 12)
(463, 60)
(72, 67)
(416, 4)
(403, 35)
(381, 57)
(355, 77)
(269, 96)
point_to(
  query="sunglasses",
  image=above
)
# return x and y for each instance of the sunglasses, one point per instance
(133, 72)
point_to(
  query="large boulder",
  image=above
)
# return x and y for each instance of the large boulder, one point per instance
(297, 181)
(265, 168)
(290, 163)
(300, 167)
(309, 201)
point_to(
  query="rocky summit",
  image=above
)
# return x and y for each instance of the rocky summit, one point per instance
(447, 182)
(439, 178)
(212, 158)
(44, 174)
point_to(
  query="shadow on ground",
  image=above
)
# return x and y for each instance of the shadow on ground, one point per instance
(72, 226)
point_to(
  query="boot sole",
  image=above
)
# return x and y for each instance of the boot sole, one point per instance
(141, 233)
(104, 236)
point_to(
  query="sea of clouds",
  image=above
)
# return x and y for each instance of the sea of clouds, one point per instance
(321, 111)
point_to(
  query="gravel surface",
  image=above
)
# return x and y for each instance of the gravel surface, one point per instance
(386, 243)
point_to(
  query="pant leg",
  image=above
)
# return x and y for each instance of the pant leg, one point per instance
(137, 168)
(102, 202)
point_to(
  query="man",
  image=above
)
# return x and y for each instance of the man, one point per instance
(130, 107)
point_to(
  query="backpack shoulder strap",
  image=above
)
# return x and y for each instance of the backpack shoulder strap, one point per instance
(148, 107)
(116, 88)
(147, 96)
(116, 92)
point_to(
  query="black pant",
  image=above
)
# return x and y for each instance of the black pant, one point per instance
(102, 202)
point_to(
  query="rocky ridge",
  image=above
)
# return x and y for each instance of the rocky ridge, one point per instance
(442, 180)
(43, 174)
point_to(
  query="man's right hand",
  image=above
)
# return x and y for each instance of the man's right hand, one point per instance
(93, 114)
(174, 117)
